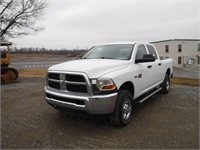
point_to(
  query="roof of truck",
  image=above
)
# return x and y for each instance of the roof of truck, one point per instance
(121, 43)
(112, 43)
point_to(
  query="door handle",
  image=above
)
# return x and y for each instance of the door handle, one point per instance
(139, 75)
(160, 64)
(149, 66)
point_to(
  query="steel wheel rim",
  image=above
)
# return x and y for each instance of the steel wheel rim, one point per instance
(167, 84)
(126, 109)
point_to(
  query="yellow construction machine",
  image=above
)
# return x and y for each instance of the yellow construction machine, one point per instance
(7, 74)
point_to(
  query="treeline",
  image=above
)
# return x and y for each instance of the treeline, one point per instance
(30, 50)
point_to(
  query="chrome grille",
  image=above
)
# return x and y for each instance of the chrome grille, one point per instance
(68, 82)
(54, 85)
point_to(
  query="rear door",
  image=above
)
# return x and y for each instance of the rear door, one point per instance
(156, 69)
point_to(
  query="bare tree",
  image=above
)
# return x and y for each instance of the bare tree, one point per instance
(18, 17)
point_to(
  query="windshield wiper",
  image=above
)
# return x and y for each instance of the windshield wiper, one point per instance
(90, 58)
(98, 58)
(106, 58)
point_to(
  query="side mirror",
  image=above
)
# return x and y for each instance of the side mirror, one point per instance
(146, 58)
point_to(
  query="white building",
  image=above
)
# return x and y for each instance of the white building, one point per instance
(184, 52)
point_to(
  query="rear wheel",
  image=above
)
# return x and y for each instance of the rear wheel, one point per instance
(4, 65)
(166, 85)
(124, 109)
(8, 75)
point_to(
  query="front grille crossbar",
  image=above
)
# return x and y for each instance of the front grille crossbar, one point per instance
(69, 100)
(54, 80)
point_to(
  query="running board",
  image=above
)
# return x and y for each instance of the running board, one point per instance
(149, 95)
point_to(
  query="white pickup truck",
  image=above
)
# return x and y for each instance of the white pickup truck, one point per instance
(109, 79)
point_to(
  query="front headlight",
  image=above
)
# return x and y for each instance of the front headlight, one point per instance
(105, 84)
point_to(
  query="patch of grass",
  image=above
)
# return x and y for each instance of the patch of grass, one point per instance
(185, 81)
(32, 73)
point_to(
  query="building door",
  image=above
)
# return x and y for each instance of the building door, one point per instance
(179, 60)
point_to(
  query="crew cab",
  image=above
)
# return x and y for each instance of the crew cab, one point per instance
(109, 79)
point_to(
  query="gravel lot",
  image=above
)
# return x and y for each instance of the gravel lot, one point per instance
(163, 121)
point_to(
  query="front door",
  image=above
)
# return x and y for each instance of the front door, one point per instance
(142, 74)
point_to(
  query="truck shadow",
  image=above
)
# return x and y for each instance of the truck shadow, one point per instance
(140, 111)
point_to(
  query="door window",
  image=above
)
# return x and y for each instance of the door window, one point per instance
(140, 52)
(152, 51)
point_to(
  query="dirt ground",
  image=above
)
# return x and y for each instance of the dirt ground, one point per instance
(162, 122)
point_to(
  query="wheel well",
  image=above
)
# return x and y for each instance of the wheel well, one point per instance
(127, 86)
(168, 72)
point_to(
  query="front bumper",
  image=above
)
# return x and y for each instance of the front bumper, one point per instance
(98, 104)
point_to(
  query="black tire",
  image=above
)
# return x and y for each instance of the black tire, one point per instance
(4, 65)
(123, 112)
(165, 85)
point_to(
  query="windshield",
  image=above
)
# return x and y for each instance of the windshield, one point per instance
(115, 51)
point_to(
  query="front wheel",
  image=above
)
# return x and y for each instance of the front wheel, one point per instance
(165, 85)
(124, 109)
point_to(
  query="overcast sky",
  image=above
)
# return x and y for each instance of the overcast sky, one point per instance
(83, 23)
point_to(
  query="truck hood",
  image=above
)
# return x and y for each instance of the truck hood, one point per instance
(94, 68)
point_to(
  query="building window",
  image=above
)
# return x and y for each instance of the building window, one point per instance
(199, 47)
(198, 59)
(166, 48)
(179, 48)
(179, 60)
